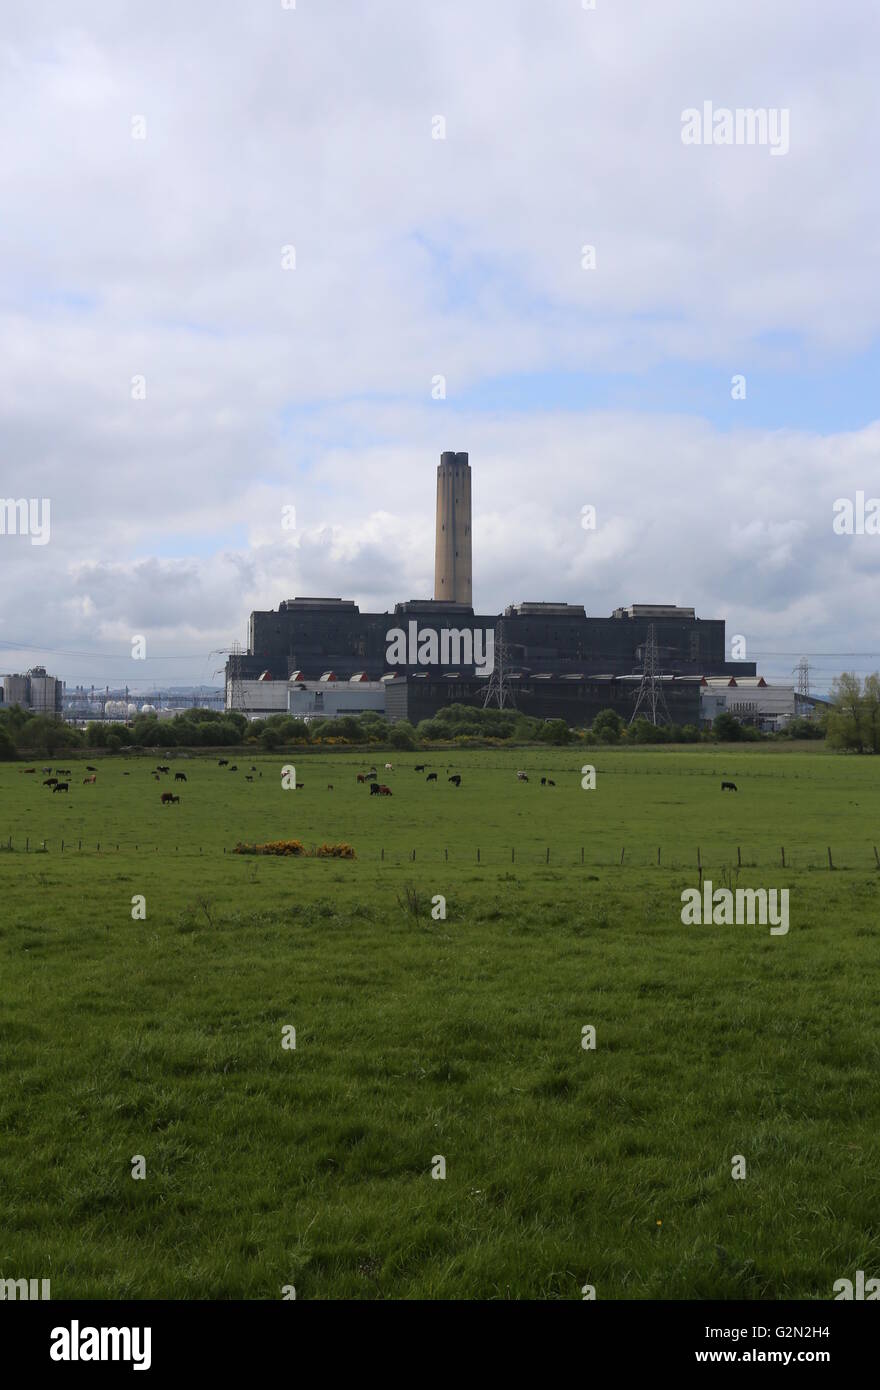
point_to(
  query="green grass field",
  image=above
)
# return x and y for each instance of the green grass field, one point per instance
(461, 1037)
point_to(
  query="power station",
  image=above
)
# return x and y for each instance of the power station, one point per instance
(558, 662)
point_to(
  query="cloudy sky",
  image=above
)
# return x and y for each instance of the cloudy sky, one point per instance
(241, 244)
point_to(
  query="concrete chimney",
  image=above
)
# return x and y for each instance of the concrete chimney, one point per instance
(452, 551)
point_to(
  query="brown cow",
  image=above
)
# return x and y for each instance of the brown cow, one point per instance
(384, 791)
(168, 798)
(93, 778)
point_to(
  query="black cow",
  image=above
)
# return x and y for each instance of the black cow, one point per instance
(728, 786)
(222, 762)
(61, 787)
(180, 776)
(431, 777)
(374, 789)
(456, 780)
(420, 767)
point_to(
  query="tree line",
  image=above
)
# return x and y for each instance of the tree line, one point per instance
(853, 724)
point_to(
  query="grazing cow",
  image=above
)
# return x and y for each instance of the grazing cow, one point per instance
(431, 777)
(29, 769)
(543, 781)
(361, 777)
(180, 776)
(728, 786)
(168, 798)
(60, 787)
(51, 782)
(222, 762)
(388, 767)
(521, 777)
(161, 768)
(370, 777)
(89, 768)
(375, 789)
(299, 786)
(550, 782)
(47, 770)
(420, 767)
(456, 780)
(126, 774)
(234, 767)
(87, 780)
(248, 777)
(383, 790)
(329, 786)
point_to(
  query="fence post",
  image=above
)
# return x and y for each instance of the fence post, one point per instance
(622, 853)
(877, 857)
(738, 857)
(478, 856)
(658, 856)
(548, 855)
(512, 856)
(830, 861)
(782, 848)
(27, 844)
(382, 854)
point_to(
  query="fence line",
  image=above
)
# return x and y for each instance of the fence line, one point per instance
(677, 856)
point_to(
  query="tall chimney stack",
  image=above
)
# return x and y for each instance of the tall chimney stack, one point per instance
(452, 551)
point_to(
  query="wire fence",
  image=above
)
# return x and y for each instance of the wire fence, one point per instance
(700, 858)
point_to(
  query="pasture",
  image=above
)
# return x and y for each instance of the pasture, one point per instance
(418, 1037)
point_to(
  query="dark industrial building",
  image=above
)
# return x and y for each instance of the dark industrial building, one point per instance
(576, 699)
(560, 663)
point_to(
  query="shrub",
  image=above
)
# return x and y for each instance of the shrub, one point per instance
(286, 847)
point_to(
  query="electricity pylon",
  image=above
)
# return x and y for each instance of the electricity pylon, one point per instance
(499, 691)
(650, 696)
